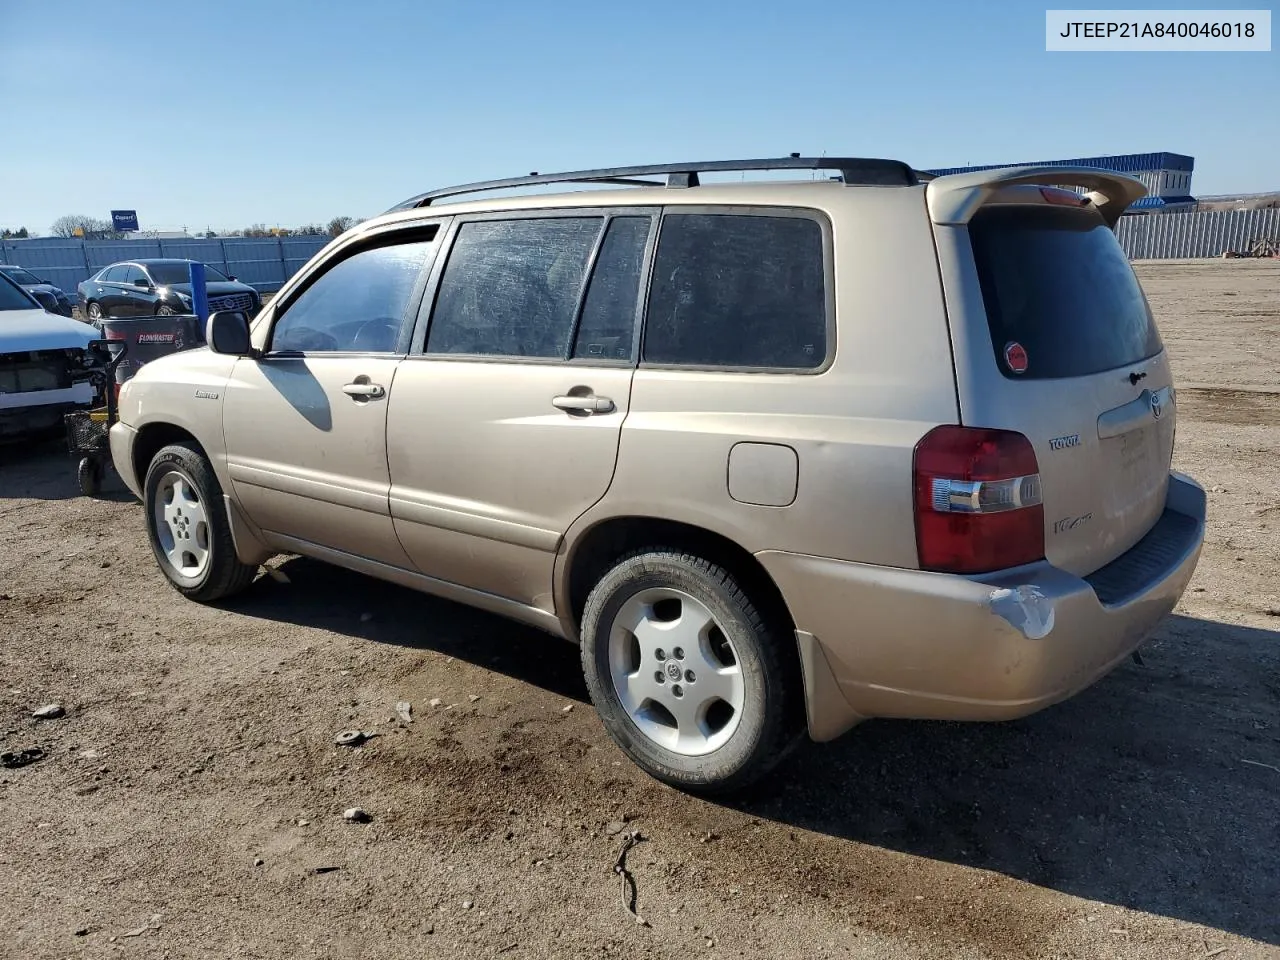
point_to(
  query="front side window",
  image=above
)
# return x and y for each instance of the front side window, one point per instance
(736, 290)
(133, 275)
(511, 287)
(357, 305)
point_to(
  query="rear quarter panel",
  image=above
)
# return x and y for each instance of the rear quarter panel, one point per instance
(853, 426)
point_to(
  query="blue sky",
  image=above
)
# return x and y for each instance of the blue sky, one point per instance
(232, 112)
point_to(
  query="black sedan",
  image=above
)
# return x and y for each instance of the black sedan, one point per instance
(49, 296)
(147, 288)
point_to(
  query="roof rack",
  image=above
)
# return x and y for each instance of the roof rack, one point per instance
(861, 171)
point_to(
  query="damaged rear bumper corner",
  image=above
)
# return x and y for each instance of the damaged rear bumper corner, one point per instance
(889, 642)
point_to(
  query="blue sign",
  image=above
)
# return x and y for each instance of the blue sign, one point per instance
(124, 220)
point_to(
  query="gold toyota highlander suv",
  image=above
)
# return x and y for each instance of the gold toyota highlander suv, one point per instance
(779, 456)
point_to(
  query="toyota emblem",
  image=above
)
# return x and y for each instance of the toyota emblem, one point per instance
(1157, 408)
(673, 670)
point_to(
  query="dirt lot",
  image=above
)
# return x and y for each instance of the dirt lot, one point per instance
(193, 789)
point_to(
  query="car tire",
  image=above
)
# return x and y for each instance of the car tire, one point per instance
(164, 310)
(89, 474)
(643, 661)
(94, 310)
(188, 528)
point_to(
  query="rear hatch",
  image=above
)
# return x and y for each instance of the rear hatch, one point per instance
(1059, 344)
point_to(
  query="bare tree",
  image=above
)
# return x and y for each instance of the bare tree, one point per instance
(78, 225)
(340, 225)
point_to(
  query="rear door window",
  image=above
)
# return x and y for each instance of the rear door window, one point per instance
(738, 290)
(115, 274)
(511, 287)
(606, 328)
(1056, 282)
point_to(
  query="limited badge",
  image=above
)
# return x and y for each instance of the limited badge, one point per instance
(1015, 356)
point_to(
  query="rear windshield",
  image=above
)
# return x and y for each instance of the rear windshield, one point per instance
(1056, 282)
(18, 275)
(13, 297)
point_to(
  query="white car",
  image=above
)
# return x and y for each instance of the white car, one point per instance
(40, 352)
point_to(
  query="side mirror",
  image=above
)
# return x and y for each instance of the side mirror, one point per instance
(227, 331)
(142, 282)
(231, 276)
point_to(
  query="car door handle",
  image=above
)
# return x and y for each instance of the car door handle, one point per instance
(368, 391)
(585, 404)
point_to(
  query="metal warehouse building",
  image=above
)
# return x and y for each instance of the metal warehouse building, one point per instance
(1167, 176)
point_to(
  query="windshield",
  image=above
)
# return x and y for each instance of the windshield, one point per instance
(13, 297)
(1056, 282)
(178, 272)
(18, 275)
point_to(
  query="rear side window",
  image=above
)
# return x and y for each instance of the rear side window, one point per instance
(736, 290)
(116, 274)
(1057, 282)
(511, 287)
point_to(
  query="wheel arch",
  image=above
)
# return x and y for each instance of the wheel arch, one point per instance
(594, 550)
(152, 438)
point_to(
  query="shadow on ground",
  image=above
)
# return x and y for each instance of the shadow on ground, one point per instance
(45, 470)
(1134, 793)
(322, 595)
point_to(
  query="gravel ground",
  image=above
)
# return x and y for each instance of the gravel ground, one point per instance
(191, 798)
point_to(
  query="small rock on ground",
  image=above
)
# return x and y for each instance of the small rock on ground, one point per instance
(51, 711)
(355, 815)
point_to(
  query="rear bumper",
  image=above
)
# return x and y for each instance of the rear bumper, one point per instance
(888, 642)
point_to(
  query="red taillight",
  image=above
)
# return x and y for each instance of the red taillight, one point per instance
(1067, 198)
(977, 500)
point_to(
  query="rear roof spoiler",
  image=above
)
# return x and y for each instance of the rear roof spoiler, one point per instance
(954, 199)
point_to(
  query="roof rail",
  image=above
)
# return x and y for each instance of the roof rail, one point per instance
(861, 171)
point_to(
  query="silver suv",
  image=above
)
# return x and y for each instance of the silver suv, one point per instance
(780, 456)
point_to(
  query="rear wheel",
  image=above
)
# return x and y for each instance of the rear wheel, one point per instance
(164, 310)
(188, 527)
(95, 310)
(695, 684)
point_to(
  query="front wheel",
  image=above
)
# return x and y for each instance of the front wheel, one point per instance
(188, 527)
(696, 685)
(89, 476)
